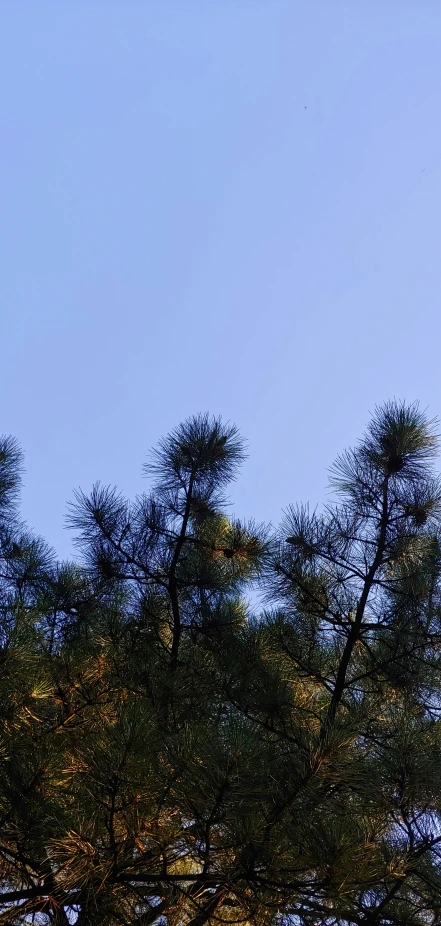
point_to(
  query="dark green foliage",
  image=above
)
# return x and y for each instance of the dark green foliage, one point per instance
(168, 757)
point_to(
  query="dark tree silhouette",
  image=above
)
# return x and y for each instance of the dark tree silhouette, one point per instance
(169, 757)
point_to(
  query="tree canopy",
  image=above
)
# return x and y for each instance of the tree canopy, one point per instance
(173, 755)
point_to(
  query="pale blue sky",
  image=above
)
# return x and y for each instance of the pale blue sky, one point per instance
(179, 233)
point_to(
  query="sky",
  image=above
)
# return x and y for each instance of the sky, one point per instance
(230, 206)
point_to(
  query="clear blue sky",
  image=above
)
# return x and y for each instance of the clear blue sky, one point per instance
(222, 205)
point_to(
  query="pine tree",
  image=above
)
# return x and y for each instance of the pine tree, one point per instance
(169, 757)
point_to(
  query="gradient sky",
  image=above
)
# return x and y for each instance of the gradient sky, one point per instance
(221, 205)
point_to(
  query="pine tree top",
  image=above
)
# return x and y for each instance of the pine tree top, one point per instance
(172, 757)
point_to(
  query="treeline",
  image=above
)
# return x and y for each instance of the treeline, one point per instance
(169, 757)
